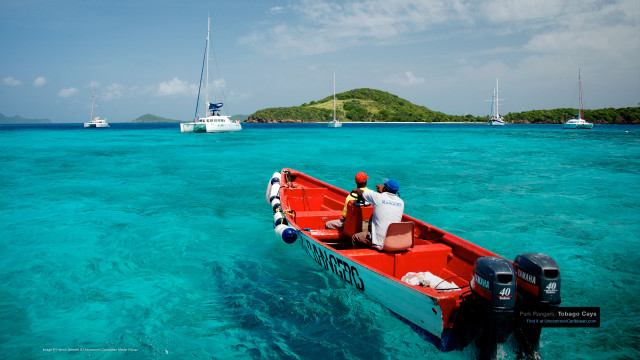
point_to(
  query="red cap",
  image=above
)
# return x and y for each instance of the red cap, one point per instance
(361, 177)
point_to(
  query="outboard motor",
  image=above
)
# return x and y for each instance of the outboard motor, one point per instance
(538, 291)
(493, 285)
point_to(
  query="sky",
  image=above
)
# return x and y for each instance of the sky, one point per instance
(145, 56)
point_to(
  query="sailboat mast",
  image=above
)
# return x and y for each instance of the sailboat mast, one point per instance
(206, 84)
(581, 99)
(93, 98)
(334, 93)
(497, 99)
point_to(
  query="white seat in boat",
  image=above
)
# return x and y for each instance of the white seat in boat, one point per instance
(399, 236)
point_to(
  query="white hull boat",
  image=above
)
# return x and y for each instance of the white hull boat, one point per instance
(334, 123)
(214, 121)
(95, 122)
(578, 121)
(496, 119)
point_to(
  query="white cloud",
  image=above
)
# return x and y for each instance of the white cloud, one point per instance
(322, 26)
(219, 84)
(67, 92)
(276, 10)
(522, 10)
(39, 81)
(239, 96)
(11, 81)
(114, 91)
(176, 86)
(406, 79)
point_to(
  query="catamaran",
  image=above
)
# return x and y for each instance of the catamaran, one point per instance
(334, 123)
(213, 121)
(578, 122)
(95, 122)
(496, 119)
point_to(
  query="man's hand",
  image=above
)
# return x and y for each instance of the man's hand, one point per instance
(357, 193)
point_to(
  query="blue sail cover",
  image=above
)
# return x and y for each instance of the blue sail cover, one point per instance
(215, 106)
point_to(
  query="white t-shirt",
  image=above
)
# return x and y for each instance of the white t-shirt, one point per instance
(387, 209)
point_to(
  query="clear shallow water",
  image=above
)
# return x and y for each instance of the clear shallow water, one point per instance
(140, 237)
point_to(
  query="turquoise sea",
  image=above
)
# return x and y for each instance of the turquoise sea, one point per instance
(141, 242)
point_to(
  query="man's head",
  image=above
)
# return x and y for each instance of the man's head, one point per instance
(361, 179)
(391, 185)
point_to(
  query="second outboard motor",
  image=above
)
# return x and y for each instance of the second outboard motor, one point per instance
(538, 291)
(493, 285)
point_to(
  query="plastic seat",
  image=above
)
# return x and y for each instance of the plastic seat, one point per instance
(399, 236)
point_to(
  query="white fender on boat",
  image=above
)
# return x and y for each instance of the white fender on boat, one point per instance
(275, 178)
(277, 218)
(275, 191)
(275, 203)
(286, 233)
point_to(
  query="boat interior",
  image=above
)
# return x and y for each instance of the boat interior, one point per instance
(310, 203)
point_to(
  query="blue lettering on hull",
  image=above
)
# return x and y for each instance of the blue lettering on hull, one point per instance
(327, 260)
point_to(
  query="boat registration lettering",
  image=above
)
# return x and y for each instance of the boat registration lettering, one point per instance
(347, 272)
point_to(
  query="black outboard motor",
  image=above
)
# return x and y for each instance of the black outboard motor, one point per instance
(494, 287)
(538, 291)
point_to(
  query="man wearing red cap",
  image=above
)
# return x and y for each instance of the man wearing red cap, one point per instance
(361, 183)
(388, 208)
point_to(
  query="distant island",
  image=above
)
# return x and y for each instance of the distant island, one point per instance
(370, 105)
(149, 118)
(20, 120)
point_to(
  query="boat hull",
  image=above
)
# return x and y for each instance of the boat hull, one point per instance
(216, 124)
(334, 124)
(98, 125)
(399, 297)
(192, 128)
(223, 127)
(577, 126)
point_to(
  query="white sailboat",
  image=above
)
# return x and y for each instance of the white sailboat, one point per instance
(577, 122)
(213, 121)
(95, 122)
(496, 119)
(334, 123)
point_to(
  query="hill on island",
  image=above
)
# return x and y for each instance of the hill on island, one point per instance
(20, 120)
(380, 106)
(149, 118)
(356, 105)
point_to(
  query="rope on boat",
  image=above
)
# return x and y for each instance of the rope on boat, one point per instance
(457, 286)
(306, 197)
(287, 176)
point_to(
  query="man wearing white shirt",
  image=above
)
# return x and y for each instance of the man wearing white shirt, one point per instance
(388, 208)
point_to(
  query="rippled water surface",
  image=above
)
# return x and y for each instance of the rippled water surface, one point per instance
(157, 244)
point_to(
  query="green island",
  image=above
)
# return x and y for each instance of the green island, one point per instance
(149, 118)
(371, 105)
(20, 120)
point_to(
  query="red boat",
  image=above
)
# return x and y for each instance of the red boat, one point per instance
(456, 291)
